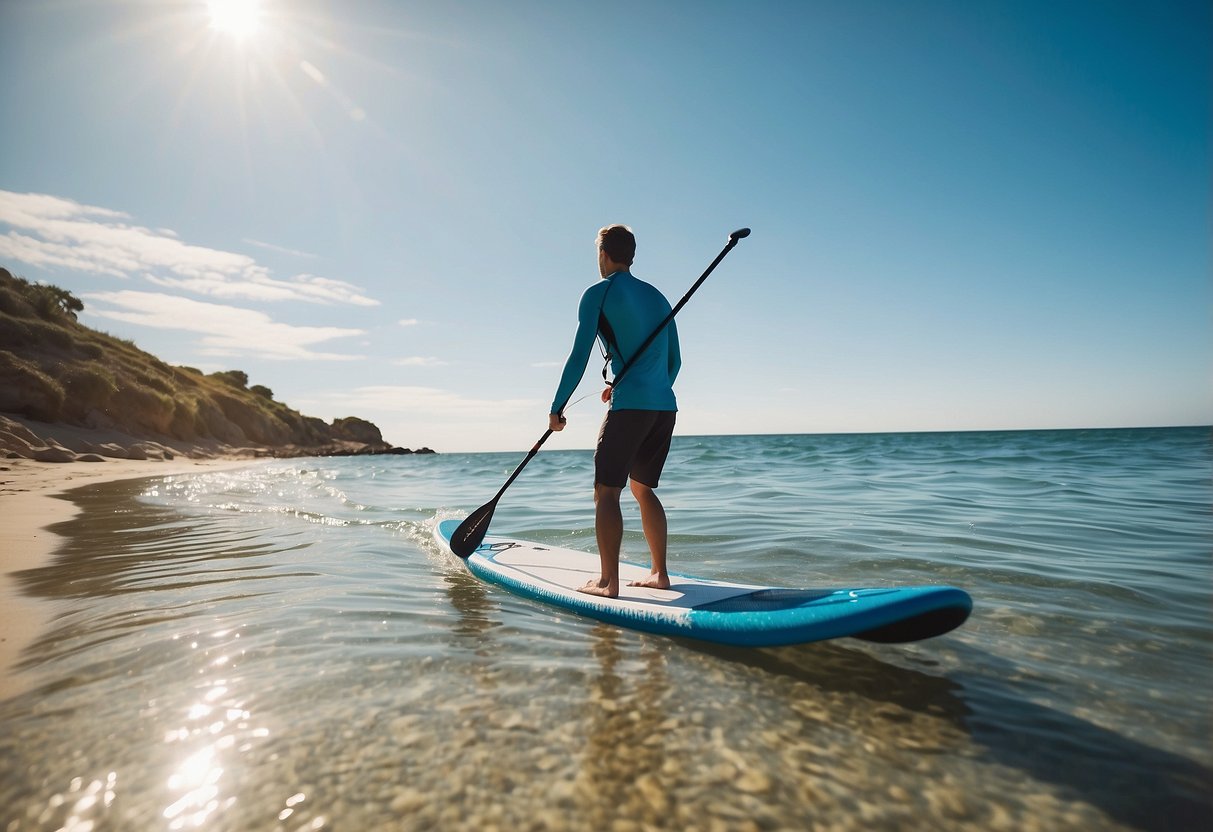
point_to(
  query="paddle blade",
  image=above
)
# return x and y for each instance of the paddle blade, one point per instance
(471, 531)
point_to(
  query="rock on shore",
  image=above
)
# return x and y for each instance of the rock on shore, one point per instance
(22, 438)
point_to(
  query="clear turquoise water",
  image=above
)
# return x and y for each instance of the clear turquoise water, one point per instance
(283, 647)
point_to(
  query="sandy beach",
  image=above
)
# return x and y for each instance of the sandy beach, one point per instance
(28, 507)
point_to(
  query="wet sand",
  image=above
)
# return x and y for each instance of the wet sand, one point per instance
(30, 504)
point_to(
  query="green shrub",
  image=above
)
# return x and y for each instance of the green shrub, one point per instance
(13, 302)
(15, 333)
(233, 378)
(43, 335)
(315, 430)
(154, 381)
(147, 408)
(90, 349)
(88, 386)
(27, 391)
(185, 378)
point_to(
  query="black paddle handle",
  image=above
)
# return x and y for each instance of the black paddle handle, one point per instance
(526, 459)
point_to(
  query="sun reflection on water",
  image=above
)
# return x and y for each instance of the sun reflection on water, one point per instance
(197, 784)
(198, 776)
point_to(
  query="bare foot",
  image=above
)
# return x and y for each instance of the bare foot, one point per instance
(600, 587)
(654, 581)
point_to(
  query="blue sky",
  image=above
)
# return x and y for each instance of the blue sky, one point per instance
(966, 215)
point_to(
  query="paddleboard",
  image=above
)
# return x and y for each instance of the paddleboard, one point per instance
(716, 611)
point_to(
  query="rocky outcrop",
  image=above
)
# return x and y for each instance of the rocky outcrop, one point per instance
(353, 429)
(44, 442)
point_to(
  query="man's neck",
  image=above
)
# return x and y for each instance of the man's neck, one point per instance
(607, 266)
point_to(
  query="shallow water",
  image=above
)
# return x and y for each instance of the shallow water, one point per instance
(284, 647)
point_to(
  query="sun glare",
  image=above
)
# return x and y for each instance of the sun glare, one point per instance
(238, 18)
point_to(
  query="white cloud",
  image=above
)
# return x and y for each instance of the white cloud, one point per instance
(50, 207)
(409, 322)
(303, 287)
(33, 252)
(224, 330)
(55, 232)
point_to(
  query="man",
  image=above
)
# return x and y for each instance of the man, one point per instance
(635, 435)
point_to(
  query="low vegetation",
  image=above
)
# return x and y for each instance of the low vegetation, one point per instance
(55, 369)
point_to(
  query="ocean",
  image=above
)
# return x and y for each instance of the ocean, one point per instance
(284, 647)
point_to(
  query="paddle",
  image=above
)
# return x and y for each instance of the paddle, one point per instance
(471, 531)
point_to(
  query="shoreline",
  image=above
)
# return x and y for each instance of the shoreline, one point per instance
(31, 501)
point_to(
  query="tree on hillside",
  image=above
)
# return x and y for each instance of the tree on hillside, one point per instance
(50, 301)
(46, 301)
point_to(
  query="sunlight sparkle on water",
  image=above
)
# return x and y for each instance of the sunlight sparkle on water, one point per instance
(198, 775)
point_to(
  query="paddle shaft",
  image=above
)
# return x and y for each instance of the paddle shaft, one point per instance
(733, 238)
(471, 531)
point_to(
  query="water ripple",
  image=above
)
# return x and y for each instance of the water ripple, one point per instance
(285, 646)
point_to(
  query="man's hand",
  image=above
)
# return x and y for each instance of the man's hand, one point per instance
(606, 394)
(556, 422)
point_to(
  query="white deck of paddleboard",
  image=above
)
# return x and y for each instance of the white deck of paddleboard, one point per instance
(553, 574)
(563, 571)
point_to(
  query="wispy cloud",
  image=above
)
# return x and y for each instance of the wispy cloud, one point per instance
(409, 322)
(305, 287)
(224, 330)
(430, 402)
(419, 361)
(293, 252)
(53, 232)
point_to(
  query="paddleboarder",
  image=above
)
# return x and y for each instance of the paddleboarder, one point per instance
(634, 439)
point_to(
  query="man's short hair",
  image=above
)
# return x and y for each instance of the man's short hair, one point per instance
(619, 243)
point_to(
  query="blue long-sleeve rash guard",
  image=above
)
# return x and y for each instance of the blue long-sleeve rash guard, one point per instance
(634, 309)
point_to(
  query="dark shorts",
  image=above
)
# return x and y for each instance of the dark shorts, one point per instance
(633, 443)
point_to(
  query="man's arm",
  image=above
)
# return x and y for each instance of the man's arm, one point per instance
(674, 352)
(579, 355)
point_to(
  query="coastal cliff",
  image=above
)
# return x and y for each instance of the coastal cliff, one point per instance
(69, 392)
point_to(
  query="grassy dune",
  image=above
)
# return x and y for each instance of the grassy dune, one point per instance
(54, 369)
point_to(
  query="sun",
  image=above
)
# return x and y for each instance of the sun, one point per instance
(238, 18)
